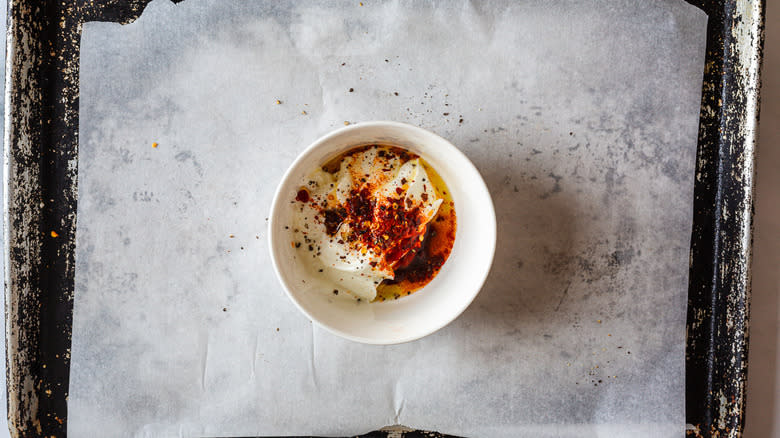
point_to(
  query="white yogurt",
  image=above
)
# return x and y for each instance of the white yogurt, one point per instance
(356, 268)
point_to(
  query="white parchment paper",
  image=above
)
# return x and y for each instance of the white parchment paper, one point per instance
(581, 116)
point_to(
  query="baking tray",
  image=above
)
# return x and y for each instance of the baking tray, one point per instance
(41, 151)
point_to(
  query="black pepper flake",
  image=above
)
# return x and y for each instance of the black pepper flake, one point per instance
(335, 291)
(460, 121)
(351, 90)
(396, 93)
(311, 248)
(446, 114)
(320, 270)
(297, 244)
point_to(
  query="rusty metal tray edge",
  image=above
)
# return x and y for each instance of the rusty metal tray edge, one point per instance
(40, 156)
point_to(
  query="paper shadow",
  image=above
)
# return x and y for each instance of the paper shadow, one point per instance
(536, 253)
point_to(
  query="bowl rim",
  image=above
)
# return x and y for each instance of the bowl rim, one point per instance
(480, 186)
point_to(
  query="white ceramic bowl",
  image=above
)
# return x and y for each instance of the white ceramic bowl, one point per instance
(440, 301)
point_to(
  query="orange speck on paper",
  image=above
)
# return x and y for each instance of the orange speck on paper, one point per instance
(54, 234)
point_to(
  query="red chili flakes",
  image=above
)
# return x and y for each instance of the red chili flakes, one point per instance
(302, 196)
(390, 225)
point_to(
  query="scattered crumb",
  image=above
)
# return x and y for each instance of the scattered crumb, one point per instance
(303, 112)
(54, 234)
(232, 236)
(224, 309)
(361, 3)
(346, 123)
(598, 321)
(395, 92)
(278, 102)
(277, 329)
(154, 145)
(351, 90)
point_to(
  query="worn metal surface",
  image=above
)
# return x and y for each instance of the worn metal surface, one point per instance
(40, 205)
(719, 290)
(40, 158)
(40, 198)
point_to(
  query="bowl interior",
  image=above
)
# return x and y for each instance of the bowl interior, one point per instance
(426, 310)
